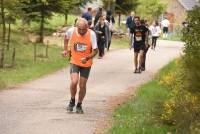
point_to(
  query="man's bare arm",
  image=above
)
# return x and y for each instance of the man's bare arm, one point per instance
(90, 56)
(66, 48)
(94, 52)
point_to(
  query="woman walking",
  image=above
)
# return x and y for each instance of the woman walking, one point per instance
(101, 30)
(155, 33)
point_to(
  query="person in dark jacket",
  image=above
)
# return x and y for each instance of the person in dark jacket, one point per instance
(88, 15)
(130, 25)
(99, 13)
(101, 30)
(111, 21)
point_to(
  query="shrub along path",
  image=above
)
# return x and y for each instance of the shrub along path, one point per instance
(38, 107)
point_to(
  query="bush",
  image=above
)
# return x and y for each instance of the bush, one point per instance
(191, 37)
(183, 107)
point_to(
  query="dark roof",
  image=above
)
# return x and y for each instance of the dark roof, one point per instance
(188, 4)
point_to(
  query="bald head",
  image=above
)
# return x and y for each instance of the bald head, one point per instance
(82, 25)
(82, 22)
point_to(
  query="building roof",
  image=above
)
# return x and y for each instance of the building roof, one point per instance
(188, 4)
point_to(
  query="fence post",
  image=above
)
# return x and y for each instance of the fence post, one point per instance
(47, 45)
(1, 57)
(13, 56)
(35, 53)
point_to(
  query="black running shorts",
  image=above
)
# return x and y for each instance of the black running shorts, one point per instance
(84, 71)
(138, 46)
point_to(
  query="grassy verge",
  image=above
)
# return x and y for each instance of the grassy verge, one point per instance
(25, 68)
(141, 114)
(119, 43)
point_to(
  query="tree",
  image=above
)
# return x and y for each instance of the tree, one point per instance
(124, 7)
(7, 17)
(151, 9)
(109, 4)
(10, 17)
(3, 23)
(69, 5)
(191, 38)
(39, 10)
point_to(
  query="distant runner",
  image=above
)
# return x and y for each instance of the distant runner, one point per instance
(140, 41)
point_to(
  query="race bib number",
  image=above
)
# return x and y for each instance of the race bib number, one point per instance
(138, 38)
(80, 47)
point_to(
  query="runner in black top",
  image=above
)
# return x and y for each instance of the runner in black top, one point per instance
(140, 40)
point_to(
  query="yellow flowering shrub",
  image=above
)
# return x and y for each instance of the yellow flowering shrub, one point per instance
(182, 104)
(183, 107)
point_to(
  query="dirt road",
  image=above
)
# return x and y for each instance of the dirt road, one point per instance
(38, 107)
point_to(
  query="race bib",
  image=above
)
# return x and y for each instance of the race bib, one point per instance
(80, 47)
(138, 38)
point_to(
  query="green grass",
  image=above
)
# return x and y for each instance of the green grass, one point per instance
(141, 114)
(25, 68)
(118, 43)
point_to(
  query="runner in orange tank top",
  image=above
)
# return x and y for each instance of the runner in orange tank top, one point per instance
(81, 44)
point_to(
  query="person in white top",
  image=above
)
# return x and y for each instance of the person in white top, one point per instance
(155, 33)
(165, 25)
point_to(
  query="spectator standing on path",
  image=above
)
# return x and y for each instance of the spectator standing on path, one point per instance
(165, 26)
(99, 13)
(145, 23)
(88, 15)
(111, 20)
(81, 44)
(140, 42)
(130, 24)
(102, 32)
(155, 33)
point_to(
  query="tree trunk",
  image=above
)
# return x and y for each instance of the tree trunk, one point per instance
(3, 34)
(119, 20)
(1, 57)
(9, 29)
(66, 18)
(42, 27)
(109, 5)
(25, 21)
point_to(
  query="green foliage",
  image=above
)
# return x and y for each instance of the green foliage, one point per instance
(108, 4)
(183, 107)
(191, 37)
(150, 9)
(69, 5)
(34, 9)
(125, 6)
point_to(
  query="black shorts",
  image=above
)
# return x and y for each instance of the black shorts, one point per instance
(84, 71)
(165, 30)
(137, 47)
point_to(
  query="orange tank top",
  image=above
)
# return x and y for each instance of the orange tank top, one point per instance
(80, 47)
